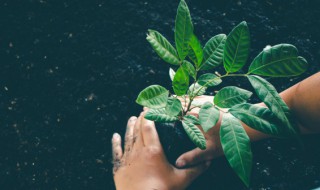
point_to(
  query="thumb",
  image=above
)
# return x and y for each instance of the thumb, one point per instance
(194, 157)
(189, 174)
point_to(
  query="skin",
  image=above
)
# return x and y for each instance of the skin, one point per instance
(143, 165)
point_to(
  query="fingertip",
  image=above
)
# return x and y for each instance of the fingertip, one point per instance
(180, 163)
(115, 136)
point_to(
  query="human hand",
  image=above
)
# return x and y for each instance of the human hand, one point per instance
(143, 165)
(212, 137)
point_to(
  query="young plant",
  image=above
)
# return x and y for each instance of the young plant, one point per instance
(232, 52)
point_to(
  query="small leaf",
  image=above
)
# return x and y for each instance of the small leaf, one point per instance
(196, 89)
(154, 96)
(163, 47)
(208, 116)
(209, 80)
(259, 118)
(236, 147)
(183, 30)
(189, 68)
(236, 49)
(173, 107)
(194, 134)
(159, 115)
(171, 73)
(180, 82)
(213, 52)
(230, 96)
(279, 61)
(195, 51)
(192, 119)
(269, 95)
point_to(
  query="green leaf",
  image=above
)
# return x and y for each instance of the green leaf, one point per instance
(208, 116)
(236, 147)
(173, 107)
(259, 118)
(192, 119)
(180, 82)
(230, 96)
(269, 95)
(159, 115)
(189, 68)
(163, 47)
(171, 73)
(213, 52)
(154, 96)
(195, 51)
(196, 89)
(183, 30)
(194, 134)
(236, 49)
(279, 61)
(209, 80)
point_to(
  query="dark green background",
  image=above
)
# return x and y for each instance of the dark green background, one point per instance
(70, 71)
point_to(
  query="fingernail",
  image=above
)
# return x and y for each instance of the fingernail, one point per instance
(180, 163)
(115, 136)
(132, 119)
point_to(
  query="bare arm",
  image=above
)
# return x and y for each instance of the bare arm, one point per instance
(303, 99)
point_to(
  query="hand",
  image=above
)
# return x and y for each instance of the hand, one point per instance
(213, 149)
(143, 165)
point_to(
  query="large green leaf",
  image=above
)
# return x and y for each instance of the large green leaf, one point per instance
(154, 96)
(213, 52)
(236, 147)
(230, 96)
(189, 68)
(236, 49)
(192, 119)
(279, 61)
(180, 82)
(208, 116)
(159, 115)
(196, 89)
(163, 47)
(173, 107)
(269, 95)
(194, 134)
(209, 79)
(259, 118)
(171, 73)
(195, 51)
(183, 30)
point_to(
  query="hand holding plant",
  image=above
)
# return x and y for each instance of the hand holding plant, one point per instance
(190, 81)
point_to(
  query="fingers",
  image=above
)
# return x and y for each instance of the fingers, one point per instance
(194, 157)
(149, 133)
(116, 151)
(186, 176)
(137, 132)
(129, 137)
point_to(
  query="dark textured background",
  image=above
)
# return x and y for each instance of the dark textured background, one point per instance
(70, 72)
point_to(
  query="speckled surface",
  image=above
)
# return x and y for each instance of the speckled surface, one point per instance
(71, 70)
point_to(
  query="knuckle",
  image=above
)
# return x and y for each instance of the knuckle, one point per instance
(147, 127)
(153, 151)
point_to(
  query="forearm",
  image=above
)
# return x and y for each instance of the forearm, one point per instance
(303, 99)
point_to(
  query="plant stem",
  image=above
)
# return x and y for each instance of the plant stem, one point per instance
(219, 77)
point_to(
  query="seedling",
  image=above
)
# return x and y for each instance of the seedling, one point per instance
(232, 52)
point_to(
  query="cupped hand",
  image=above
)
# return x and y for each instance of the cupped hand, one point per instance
(212, 137)
(143, 165)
